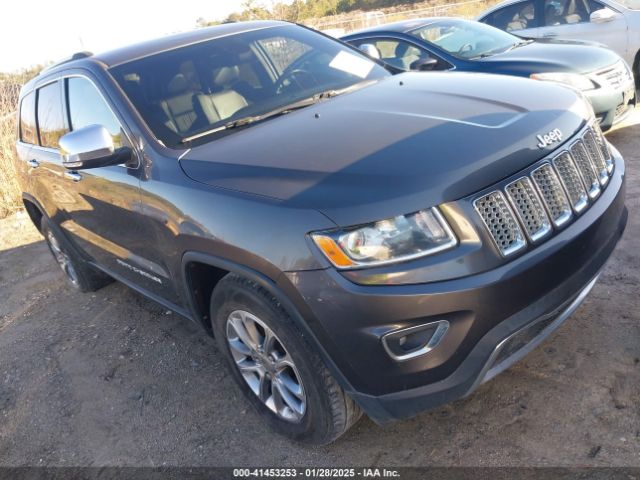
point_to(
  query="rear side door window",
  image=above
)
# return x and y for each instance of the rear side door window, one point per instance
(562, 12)
(88, 107)
(568, 12)
(400, 53)
(28, 129)
(51, 123)
(514, 18)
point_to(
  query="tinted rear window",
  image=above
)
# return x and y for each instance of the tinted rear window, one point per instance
(50, 117)
(28, 133)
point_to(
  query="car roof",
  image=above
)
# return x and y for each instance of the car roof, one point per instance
(170, 42)
(150, 47)
(404, 26)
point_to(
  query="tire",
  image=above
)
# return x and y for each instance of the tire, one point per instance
(79, 273)
(321, 410)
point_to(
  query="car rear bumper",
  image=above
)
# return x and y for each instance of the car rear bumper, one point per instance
(495, 317)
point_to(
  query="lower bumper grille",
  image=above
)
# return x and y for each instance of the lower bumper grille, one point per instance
(526, 339)
(549, 196)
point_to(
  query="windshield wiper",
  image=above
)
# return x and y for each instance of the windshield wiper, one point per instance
(490, 53)
(519, 44)
(241, 122)
(305, 102)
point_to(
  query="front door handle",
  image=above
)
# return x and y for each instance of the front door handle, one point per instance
(75, 176)
(550, 35)
(33, 163)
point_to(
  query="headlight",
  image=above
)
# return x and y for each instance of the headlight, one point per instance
(574, 80)
(388, 241)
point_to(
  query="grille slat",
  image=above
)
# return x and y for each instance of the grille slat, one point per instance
(595, 154)
(570, 178)
(501, 223)
(604, 148)
(552, 194)
(586, 167)
(528, 207)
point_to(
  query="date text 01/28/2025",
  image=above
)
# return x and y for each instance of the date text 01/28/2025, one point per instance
(315, 473)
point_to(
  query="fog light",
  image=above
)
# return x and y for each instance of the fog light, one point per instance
(408, 343)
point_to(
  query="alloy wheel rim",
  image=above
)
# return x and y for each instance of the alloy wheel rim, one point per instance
(266, 366)
(63, 259)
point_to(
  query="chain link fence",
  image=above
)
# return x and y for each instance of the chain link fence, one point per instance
(343, 24)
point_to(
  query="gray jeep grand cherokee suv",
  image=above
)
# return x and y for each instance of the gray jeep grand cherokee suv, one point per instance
(355, 241)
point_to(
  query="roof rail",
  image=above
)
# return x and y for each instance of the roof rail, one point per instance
(75, 56)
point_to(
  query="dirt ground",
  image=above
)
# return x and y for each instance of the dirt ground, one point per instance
(112, 379)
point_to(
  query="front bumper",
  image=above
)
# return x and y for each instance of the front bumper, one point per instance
(495, 316)
(612, 106)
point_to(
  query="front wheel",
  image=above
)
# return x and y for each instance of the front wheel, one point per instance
(279, 372)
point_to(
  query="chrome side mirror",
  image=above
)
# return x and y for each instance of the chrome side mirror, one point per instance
(370, 50)
(602, 16)
(91, 147)
(424, 64)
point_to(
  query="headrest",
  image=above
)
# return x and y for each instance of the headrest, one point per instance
(178, 84)
(226, 75)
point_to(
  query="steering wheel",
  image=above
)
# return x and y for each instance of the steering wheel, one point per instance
(298, 76)
(467, 47)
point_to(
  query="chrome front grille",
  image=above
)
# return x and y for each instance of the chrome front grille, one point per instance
(549, 196)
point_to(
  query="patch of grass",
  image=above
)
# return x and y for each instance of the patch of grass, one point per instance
(9, 190)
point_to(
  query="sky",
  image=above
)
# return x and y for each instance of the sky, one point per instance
(38, 31)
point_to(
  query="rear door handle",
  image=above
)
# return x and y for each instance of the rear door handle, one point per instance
(550, 35)
(75, 176)
(33, 163)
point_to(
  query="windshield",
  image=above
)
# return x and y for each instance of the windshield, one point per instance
(192, 90)
(465, 39)
(630, 4)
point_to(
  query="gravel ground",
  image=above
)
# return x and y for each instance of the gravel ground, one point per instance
(113, 379)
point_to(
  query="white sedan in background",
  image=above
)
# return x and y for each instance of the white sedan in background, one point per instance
(615, 24)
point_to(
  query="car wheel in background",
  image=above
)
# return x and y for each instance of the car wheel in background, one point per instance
(80, 274)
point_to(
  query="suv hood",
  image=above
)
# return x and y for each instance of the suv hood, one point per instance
(556, 56)
(405, 143)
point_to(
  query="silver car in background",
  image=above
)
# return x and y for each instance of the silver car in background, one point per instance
(615, 24)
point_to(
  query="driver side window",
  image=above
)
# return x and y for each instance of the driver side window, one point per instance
(399, 53)
(568, 12)
(87, 107)
(519, 16)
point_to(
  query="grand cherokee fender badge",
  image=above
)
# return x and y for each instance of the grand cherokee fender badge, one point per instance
(550, 138)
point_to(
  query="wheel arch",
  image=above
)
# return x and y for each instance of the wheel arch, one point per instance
(199, 307)
(34, 210)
